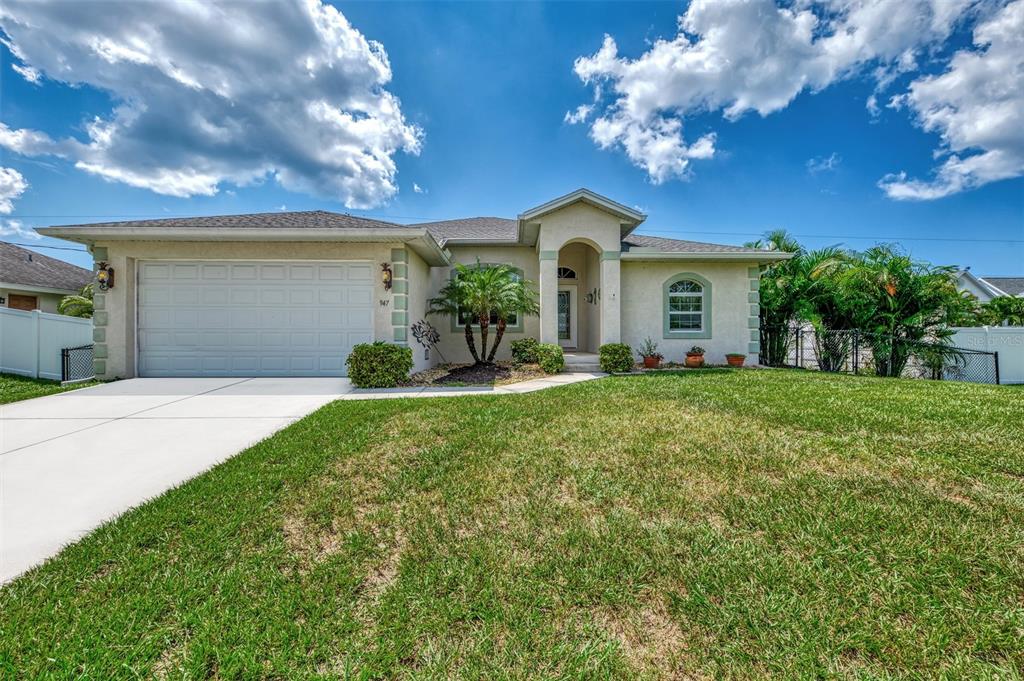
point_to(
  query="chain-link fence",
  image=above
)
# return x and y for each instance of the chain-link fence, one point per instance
(76, 364)
(860, 352)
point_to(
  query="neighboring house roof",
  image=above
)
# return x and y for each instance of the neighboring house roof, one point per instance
(22, 267)
(1011, 286)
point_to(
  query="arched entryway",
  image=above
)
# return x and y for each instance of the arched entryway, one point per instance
(579, 296)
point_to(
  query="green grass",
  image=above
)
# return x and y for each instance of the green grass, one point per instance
(14, 388)
(702, 524)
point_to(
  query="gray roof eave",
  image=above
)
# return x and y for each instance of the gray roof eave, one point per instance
(419, 239)
(712, 256)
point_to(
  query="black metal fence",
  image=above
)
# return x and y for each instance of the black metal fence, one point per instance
(860, 352)
(76, 364)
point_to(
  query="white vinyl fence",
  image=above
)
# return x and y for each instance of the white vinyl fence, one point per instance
(30, 342)
(1008, 341)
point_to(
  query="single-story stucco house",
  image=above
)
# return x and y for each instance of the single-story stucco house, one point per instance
(291, 293)
(32, 281)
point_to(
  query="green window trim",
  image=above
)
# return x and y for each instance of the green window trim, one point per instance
(511, 328)
(705, 331)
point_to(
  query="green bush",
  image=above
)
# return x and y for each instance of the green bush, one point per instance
(378, 365)
(615, 358)
(549, 357)
(524, 351)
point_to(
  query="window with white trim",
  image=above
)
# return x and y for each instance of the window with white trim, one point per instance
(685, 306)
(566, 273)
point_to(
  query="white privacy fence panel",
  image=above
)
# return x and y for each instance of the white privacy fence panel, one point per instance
(1008, 341)
(30, 342)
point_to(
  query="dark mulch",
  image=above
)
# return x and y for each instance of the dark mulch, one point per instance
(476, 374)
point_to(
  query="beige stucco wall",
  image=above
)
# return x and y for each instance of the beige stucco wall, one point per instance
(114, 319)
(419, 292)
(580, 222)
(453, 344)
(47, 302)
(733, 308)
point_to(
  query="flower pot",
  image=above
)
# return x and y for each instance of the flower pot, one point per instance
(652, 362)
(694, 361)
(735, 360)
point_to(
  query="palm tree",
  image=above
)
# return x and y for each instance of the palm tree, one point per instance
(781, 293)
(477, 293)
(899, 302)
(77, 304)
(518, 299)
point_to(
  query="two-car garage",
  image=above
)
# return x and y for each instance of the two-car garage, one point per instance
(252, 318)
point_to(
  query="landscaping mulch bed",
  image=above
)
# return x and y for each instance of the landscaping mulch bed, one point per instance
(476, 374)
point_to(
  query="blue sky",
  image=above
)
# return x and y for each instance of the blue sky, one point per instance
(486, 88)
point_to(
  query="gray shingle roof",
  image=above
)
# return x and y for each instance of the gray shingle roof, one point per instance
(320, 219)
(472, 229)
(1014, 286)
(680, 246)
(28, 268)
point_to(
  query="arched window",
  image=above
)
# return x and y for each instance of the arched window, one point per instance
(687, 307)
(566, 273)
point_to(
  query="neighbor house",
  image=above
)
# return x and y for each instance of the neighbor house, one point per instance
(987, 288)
(30, 281)
(290, 293)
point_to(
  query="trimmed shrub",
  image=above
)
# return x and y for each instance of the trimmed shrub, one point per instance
(524, 351)
(379, 364)
(615, 358)
(549, 357)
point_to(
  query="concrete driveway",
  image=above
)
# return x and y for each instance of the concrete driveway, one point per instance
(72, 461)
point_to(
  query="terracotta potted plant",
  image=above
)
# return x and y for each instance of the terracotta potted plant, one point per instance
(649, 352)
(695, 357)
(735, 359)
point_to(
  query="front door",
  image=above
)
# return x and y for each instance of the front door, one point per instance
(567, 316)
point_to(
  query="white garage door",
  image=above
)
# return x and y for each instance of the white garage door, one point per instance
(216, 318)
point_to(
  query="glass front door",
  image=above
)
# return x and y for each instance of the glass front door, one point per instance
(566, 318)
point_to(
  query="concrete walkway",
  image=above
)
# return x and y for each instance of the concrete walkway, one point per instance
(72, 461)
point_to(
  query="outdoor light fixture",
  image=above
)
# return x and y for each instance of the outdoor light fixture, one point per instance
(385, 275)
(104, 276)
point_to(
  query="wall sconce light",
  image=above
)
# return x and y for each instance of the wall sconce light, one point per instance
(104, 276)
(589, 298)
(386, 275)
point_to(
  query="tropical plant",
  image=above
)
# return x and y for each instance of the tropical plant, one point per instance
(1007, 310)
(649, 349)
(478, 293)
(77, 304)
(895, 298)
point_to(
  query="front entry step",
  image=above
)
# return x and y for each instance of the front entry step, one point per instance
(581, 362)
(581, 368)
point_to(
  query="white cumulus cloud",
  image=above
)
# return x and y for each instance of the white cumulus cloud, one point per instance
(741, 56)
(418, 189)
(12, 186)
(977, 108)
(211, 93)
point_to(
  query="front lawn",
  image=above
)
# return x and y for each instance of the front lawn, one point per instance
(15, 388)
(701, 524)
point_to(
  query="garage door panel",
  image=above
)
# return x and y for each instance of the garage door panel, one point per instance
(251, 319)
